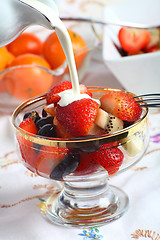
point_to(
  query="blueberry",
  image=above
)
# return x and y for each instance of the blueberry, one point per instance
(127, 124)
(44, 113)
(43, 121)
(66, 202)
(66, 166)
(34, 115)
(47, 130)
(89, 149)
(90, 146)
(36, 147)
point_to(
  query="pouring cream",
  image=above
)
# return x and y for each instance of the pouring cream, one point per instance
(50, 13)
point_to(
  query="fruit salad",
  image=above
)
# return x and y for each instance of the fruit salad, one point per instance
(80, 137)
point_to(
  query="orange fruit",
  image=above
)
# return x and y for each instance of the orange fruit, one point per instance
(25, 43)
(30, 58)
(10, 59)
(28, 81)
(3, 58)
(53, 51)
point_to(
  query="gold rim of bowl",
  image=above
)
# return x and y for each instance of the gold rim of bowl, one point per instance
(126, 132)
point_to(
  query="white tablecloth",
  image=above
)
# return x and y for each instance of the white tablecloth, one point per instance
(22, 193)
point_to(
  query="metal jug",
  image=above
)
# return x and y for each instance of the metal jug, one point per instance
(17, 15)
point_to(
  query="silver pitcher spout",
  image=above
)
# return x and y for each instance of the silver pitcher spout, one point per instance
(17, 15)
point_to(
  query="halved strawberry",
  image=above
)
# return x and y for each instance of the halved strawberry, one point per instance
(107, 156)
(121, 105)
(60, 130)
(50, 109)
(110, 157)
(28, 125)
(77, 117)
(85, 164)
(133, 40)
(28, 154)
(95, 130)
(84, 90)
(48, 158)
(26, 147)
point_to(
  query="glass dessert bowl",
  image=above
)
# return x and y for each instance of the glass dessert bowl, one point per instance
(86, 198)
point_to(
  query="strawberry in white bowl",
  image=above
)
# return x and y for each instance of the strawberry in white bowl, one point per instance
(132, 54)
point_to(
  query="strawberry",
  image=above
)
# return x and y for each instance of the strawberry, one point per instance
(84, 90)
(27, 152)
(107, 156)
(60, 130)
(86, 165)
(110, 157)
(50, 109)
(95, 130)
(133, 40)
(50, 97)
(48, 158)
(53, 97)
(77, 117)
(29, 125)
(121, 105)
(25, 146)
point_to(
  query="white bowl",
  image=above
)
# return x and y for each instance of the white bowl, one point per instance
(138, 73)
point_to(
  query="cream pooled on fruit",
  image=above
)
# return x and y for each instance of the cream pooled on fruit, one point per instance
(68, 96)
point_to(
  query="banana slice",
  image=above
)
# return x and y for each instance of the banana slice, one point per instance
(102, 119)
(134, 145)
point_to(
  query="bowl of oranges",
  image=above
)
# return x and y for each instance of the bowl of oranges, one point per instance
(35, 61)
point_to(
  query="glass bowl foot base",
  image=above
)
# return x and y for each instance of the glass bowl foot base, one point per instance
(96, 211)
